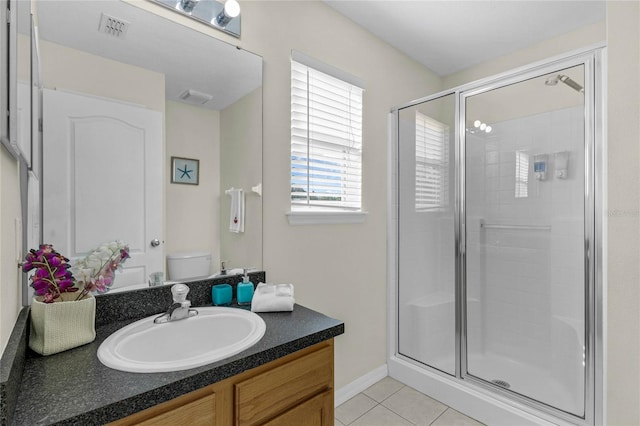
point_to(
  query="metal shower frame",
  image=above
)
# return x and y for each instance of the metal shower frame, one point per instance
(592, 59)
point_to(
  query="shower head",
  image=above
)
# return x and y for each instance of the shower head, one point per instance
(575, 86)
(553, 80)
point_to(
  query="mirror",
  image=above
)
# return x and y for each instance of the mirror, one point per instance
(208, 97)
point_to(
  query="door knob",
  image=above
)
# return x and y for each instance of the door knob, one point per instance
(155, 242)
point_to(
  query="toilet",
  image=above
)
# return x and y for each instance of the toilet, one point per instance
(188, 265)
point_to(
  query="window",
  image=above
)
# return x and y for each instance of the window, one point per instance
(326, 137)
(432, 160)
(522, 174)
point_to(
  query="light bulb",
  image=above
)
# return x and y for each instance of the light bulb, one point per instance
(232, 8)
(488, 129)
(476, 123)
(483, 126)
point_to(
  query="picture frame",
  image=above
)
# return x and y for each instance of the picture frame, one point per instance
(185, 170)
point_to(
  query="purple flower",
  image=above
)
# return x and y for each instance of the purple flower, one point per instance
(51, 277)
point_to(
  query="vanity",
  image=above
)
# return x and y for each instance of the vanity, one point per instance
(285, 378)
(295, 389)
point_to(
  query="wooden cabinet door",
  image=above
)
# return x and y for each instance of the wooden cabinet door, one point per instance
(318, 411)
(201, 412)
(275, 391)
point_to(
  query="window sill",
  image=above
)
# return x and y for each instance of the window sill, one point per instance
(325, 218)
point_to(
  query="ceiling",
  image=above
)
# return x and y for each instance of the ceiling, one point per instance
(449, 35)
(446, 36)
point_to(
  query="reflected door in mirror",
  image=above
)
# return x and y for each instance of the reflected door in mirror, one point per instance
(102, 179)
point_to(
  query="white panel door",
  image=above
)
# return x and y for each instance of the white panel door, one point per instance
(102, 180)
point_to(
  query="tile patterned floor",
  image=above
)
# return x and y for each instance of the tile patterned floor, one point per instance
(391, 403)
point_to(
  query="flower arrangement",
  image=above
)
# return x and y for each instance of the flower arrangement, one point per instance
(96, 272)
(54, 275)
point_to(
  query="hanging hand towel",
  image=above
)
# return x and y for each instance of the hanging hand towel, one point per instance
(236, 220)
(273, 298)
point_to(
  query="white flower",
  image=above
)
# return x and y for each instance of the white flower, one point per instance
(89, 267)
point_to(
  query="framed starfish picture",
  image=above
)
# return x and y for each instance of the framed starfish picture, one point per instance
(185, 170)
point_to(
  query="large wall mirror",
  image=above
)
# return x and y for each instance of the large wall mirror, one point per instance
(125, 92)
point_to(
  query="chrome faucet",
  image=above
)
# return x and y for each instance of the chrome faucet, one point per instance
(180, 308)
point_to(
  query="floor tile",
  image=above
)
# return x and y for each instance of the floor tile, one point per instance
(414, 406)
(354, 408)
(380, 416)
(338, 423)
(453, 418)
(383, 389)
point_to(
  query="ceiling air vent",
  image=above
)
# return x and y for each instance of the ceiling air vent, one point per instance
(195, 97)
(113, 26)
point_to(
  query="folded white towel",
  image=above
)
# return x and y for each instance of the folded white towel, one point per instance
(273, 298)
(236, 216)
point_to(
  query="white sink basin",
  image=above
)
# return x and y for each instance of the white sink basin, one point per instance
(214, 334)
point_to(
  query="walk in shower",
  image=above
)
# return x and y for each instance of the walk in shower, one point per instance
(494, 281)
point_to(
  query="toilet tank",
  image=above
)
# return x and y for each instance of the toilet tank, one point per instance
(188, 265)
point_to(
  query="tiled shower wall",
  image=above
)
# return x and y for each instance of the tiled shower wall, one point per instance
(530, 283)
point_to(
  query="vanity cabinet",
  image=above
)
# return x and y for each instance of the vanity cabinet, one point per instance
(294, 390)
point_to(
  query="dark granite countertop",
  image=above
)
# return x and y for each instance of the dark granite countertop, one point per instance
(74, 388)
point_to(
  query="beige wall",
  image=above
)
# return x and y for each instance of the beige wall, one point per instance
(10, 289)
(192, 211)
(623, 187)
(240, 134)
(73, 70)
(583, 37)
(339, 270)
(10, 294)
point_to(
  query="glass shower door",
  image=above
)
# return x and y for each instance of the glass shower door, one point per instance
(524, 204)
(426, 243)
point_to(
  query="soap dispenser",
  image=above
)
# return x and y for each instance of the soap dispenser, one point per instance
(245, 290)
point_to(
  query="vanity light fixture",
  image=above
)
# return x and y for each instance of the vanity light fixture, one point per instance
(219, 14)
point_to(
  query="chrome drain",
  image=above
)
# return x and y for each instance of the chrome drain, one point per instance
(501, 383)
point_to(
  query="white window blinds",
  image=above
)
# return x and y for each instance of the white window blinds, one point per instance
(522, 174)
(326, 140)
(432, 160)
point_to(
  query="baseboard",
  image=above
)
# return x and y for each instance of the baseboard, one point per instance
(347, 392)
